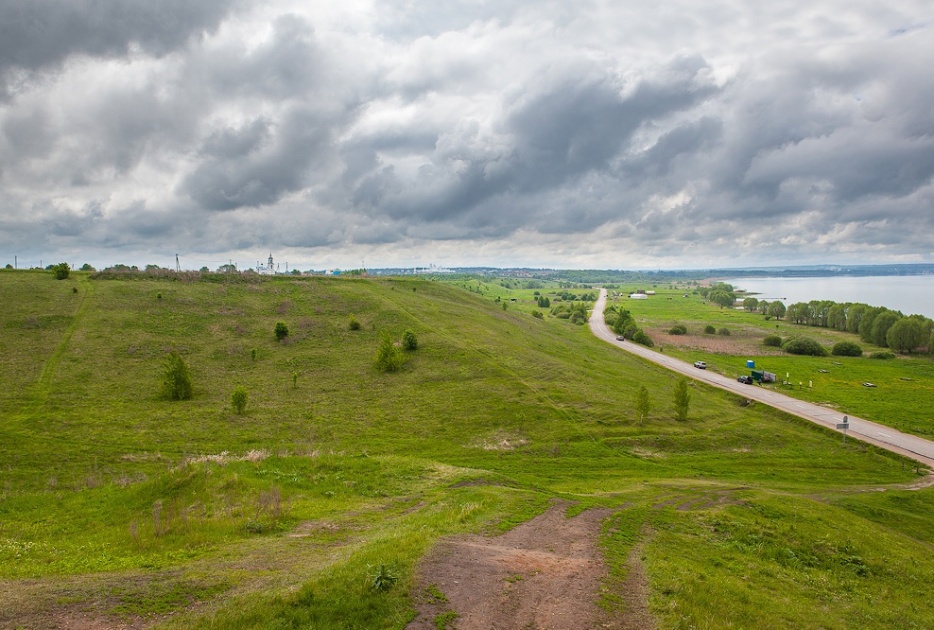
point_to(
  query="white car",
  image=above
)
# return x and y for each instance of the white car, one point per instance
(700, 364)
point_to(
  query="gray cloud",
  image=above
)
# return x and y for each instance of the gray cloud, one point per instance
(505, 129)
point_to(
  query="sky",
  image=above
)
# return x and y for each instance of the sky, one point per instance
(569, 134)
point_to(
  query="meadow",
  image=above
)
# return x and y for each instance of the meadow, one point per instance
(120, 506)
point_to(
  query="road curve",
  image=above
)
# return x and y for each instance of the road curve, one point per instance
(916, 448)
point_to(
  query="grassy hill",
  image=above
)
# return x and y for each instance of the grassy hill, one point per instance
(118, 504)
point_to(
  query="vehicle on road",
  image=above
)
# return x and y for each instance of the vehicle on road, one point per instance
(620, 338)
(745, 379)
(700, 364)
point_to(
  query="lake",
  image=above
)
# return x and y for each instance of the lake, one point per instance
(908, 294)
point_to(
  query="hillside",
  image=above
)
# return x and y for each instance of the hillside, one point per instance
(119, 506)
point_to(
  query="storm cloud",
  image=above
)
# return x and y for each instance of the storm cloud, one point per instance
(466, 133)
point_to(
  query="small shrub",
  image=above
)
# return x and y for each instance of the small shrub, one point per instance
(805, 346)
(281, 330)
(382, 578)
(882, 355)
(678, 330)
(773, 340)
(74, 289)
(238, 399)
(354, 324)
(158, 296)
(409, 341)
(709, 329)
(846, 349)
(537, 315)
(176, 378)
(724, 332)
(253, 354)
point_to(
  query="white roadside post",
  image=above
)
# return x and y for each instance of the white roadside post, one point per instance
(844, 426)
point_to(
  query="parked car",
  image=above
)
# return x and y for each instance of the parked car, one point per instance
(700, 364)
(745, 379)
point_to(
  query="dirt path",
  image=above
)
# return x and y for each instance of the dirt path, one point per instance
(543, 575)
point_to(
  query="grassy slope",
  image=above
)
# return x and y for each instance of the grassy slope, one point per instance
(748, 516)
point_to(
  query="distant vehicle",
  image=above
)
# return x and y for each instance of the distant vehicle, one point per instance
(700, 364)
(620, 338)
(745, 379)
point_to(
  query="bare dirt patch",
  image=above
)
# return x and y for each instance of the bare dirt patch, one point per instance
(544, 574)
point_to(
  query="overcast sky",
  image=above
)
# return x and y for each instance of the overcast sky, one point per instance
(584, 134)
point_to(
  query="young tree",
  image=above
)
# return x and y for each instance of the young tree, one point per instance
(176, 378)
(682, 400)
(409, 341)
(776, 310)
(389, 358)
(238, 399)
(281, 330)
(643, 406)
(905, 335)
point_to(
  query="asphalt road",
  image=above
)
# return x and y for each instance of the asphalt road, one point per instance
(916, 448)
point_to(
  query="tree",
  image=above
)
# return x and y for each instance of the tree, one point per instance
(87, 267)
(238, 399)
(682, 400)
(281, 330)
(751, 304)
(880, 326)
(866, 322)
(643, 406)
(61, 271)
(176, 378)
(776, 309)
(389, 358)
(724, 298)
(905, 335)
(409, 341)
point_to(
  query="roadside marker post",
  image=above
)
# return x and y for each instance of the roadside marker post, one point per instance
(844, 426)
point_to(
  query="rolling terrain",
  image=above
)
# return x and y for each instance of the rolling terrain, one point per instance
(314, 507)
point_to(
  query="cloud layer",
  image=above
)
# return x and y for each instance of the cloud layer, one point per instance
(466, 133)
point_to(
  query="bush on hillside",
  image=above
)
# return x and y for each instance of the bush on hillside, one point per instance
(773, 340)
(61, 271)
(724, 331)
(176, 378)
(805, 346)
(846, 349)
(238, 399)
(281, 330)
(678, 330)
(409, 341)
(710, 329)
(353, 323)
(389, 357)
(882, 355)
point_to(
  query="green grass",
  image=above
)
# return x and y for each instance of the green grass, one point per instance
(121, 504)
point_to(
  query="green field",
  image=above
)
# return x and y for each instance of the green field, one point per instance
(120, 505)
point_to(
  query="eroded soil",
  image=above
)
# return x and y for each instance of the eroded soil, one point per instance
(543, 575)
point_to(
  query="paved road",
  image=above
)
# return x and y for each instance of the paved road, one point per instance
(885, 437)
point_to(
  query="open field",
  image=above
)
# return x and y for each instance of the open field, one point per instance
(120, 507)
(904, 388)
